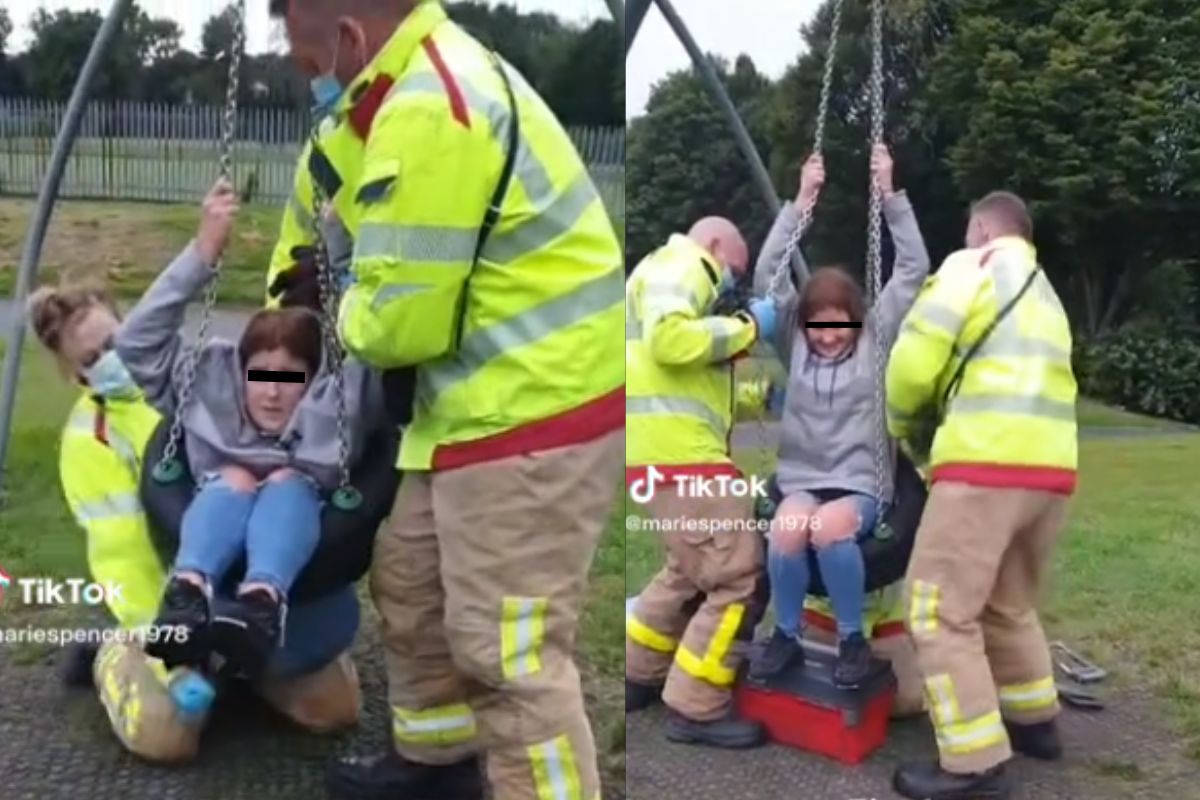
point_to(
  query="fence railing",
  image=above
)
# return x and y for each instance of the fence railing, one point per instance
(164, 153)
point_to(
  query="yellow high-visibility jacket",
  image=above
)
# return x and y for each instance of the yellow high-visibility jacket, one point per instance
(681, 393)
(521, 350)
(1012, 422)
(99, 464)
(296, 226)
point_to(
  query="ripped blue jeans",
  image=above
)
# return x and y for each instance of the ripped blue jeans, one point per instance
(277, 527)
(841, 565)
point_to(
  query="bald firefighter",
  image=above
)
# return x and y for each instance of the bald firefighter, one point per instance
(683, 633)
(483, 257)
(986, 351)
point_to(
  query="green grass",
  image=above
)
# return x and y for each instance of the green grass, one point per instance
(1094, 414)
(1124, 583)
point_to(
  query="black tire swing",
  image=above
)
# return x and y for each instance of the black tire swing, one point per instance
(353, 513)
(887, 551)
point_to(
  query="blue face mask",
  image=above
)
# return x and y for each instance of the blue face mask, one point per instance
(108, 377)
(326, 89)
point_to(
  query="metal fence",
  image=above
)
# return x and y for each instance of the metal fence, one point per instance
(164, 153)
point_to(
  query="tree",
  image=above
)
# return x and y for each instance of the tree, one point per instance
(580, 87)
(6, 29)
(1088, 110)
(683, 162)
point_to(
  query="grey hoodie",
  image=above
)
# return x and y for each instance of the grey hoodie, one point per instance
(829, 427)
(217, 428)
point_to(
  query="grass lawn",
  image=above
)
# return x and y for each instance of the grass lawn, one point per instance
(1124, 587)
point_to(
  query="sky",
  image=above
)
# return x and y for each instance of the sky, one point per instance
(262, 33)
(766, 30)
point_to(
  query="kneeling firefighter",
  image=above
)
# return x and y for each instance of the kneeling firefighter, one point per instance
(681, 401)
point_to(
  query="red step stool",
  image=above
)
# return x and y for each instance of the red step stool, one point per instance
(803, 709)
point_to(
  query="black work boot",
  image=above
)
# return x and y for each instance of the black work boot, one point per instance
(77, 663)
(853, 663)
(180, 630)
(928, 781)
(1040, 740)
(248, 634)
(640, 695)
(728, 731)
(393, 777)
(781, 652)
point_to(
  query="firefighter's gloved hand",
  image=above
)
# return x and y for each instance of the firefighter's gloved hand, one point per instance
(298, 285)
(763, 311)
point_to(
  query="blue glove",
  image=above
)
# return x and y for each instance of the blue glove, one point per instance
(764, 314)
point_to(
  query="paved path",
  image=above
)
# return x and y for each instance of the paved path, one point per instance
(1123, 752)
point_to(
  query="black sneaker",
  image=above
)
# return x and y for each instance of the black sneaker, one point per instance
(853, 663)
(728, 732)
(781, 652)
(248, 634)
(77, 663)
(1036, 741)
(928, 781)
(181, 625)
(391, 776)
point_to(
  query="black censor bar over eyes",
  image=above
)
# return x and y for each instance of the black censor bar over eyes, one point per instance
(833, 324)
(274, 376)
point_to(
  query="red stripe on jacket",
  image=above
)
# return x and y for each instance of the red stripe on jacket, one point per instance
(100, 426)
(581, 424)
(362, 113)
(1009, 476)
(458, 105)
(881, 631)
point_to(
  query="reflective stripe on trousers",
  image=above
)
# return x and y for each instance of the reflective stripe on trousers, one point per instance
(522, 631)
(710, 668)
(440, 725)
(555, 773)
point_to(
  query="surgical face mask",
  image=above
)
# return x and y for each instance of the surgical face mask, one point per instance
(108, 377)
(728, 281)
(326, 89)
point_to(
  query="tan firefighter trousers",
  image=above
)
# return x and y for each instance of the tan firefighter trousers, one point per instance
(980, 561)
(479, 580)
(133, 691)
(688, 624)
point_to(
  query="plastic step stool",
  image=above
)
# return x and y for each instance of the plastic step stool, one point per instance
(803, 709)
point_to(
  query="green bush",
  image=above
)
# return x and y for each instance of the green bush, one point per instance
(1145, 370)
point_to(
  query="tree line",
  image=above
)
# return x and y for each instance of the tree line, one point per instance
(1089, 109)
(576, 69)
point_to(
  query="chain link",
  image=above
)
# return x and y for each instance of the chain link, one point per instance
(875, 254)
(229, 130)
(806, 212)
(327, 284)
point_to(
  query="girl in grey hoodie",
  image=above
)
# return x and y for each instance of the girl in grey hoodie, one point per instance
(261, 435)
(826, 468)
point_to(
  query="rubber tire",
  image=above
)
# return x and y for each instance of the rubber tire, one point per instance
(886, 560)
(343, 555)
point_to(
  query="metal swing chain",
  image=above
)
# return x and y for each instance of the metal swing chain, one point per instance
(229, 129)
(806, 213)
(327, 284)
(875, 254)
(783, 266)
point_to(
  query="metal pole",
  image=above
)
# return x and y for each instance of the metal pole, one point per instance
(719, 96)
(617, 9)
(45, 207)
(635, 12)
